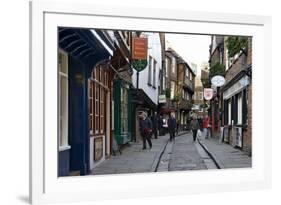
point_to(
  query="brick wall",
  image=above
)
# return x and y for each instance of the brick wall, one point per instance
(239, 64)
(248, 133)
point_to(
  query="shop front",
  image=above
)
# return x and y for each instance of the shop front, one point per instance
(81, 132)
(235, 98)
(123, 111)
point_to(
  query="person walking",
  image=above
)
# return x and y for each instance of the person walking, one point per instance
(172, 125)
(155, 125)
(194, 127)
(160, 125)
(145, 130)
(206, 121)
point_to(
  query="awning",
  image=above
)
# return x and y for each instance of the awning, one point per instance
(85, 43)
(141, 98)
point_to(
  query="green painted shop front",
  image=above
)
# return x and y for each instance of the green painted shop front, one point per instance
(124, 111)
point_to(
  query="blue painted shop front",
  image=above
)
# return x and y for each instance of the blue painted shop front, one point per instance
(85, 50)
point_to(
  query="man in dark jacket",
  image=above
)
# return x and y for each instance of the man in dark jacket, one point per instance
(155, 125)
(172, 125)
(145, 130)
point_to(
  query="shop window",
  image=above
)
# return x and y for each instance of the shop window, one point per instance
(173, 89)
(239, 109)
(229, 112)
(98, 87)
(124, 110)
(63, 100)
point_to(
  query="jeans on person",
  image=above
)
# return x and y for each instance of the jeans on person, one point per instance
(155, 133)
(146, 137)
(194, 132)
(206, 133)
(172, 134)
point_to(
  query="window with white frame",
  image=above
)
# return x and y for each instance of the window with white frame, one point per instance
(150, 62)
(154, 73)
(168, 66)
(98, 87)
(229, 112)
(63, 100)
(173, 65)
(173, 84)
(239, 109)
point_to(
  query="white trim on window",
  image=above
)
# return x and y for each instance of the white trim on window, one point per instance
(229, 112)
(239, 109)
(63, 101)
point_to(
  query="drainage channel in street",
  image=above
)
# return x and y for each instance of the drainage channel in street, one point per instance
(207, 157)
(163, 159)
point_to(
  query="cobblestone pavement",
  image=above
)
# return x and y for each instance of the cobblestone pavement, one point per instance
(180, 154)
(225, 155)
(185, 155)
(133, 159)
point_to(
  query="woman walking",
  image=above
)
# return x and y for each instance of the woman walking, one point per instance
(194, 125)
(145, 130)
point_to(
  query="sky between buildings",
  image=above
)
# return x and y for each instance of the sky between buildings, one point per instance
(192, 48)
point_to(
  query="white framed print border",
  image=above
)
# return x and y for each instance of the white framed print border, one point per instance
(45, 186)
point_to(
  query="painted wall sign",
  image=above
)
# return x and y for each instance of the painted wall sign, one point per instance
(236, 88)
(208, 93)
(139, 49)
(218, 80)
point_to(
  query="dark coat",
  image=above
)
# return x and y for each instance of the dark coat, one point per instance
(194, 125)
(145, 125)
(155, 121)
(172, 123)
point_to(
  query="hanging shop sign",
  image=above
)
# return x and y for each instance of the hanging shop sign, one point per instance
(218, 80)
(139, 53)
(162, 99)
(208, 93)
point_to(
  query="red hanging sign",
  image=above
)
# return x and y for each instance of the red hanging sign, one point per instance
(139, 49)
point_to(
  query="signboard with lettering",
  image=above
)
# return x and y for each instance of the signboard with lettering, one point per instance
(162, 99)
(208, 93)
(218, 80)
(139, 53)
(236, 88)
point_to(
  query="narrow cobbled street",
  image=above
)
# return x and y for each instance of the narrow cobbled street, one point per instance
(178, 155)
